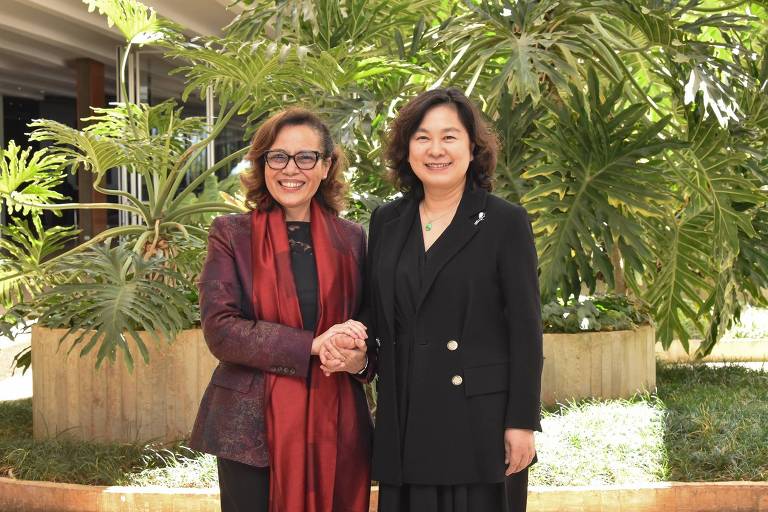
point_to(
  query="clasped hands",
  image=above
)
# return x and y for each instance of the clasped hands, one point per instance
(342, 348)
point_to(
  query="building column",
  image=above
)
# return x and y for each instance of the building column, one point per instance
(90, 93)
(2, 123)
(2, 146)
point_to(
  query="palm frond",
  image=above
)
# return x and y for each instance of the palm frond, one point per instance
(93, 152)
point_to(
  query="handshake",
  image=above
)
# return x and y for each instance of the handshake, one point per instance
(342, 348)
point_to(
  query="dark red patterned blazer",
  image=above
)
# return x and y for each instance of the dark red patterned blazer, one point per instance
(230, 422)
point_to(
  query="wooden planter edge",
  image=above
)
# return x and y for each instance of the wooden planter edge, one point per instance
(30, 496)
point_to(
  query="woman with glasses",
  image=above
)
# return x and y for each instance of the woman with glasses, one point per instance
(278, 284)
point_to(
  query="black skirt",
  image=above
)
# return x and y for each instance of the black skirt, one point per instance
(508, 496)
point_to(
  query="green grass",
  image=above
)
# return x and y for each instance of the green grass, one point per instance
(62, 460)
(704, 424)
(716, 426)
(601, 442)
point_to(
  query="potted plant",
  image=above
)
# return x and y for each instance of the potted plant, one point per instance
(600, 346)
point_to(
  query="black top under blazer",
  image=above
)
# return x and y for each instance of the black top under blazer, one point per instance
(477, 357)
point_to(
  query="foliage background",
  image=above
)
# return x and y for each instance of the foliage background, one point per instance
(633, 131)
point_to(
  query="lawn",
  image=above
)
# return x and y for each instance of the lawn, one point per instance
(704, 424)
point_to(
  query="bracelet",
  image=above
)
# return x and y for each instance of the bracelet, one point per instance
(365, 368)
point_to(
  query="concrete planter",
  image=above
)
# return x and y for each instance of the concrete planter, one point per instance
(157, 401)
(734, 351)
(613, 364)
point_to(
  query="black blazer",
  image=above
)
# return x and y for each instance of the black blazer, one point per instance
(478, 354)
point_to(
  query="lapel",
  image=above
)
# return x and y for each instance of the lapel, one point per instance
(393, 235)
(461, 230)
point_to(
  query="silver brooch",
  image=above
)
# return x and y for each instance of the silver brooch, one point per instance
(480, 218)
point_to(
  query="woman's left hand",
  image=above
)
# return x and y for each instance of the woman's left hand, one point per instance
(519, 449)
(353, 350)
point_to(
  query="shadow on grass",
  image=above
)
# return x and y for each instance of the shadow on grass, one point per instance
(65, 460)
(716, 422)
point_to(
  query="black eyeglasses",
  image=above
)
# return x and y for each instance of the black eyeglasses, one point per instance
(304, 160)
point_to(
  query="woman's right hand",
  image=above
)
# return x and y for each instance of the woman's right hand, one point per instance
(351, 328)
(353, 350)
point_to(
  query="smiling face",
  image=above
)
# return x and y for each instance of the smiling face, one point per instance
(291, 187)
(440, 150)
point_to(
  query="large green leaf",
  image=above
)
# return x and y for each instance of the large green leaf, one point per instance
(138, 23)
(24, 249)
(93, 152)
(520, 47)
(28, 178)
(266, 73)
(684, 271)
(106, 302)
(599, 175)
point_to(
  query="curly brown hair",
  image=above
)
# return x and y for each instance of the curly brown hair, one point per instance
(331, 193)
(484, 140)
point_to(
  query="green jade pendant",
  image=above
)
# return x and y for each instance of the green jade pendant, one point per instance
(428, 226)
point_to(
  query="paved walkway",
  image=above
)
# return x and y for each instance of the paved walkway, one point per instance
(13, 385)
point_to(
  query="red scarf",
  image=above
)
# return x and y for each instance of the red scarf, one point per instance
(318, 440)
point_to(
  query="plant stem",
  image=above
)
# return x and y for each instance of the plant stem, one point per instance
(200, 179)
(118, 231)
(719, 9)
(177, 173)
(202, 208)
(143, 209)
(82, 206)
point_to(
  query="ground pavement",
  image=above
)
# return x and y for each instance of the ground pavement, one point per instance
(13, 385)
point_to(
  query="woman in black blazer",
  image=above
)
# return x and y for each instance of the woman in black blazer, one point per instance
(453, 304)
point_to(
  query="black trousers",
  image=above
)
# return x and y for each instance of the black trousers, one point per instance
(243, 488)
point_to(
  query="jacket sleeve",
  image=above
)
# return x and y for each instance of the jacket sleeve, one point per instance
(366, 313)
(520, 283)
(234, 338)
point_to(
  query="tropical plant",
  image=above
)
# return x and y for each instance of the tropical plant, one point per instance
(377, 56)
(638, 127)
(107, 301)
(634, 131)
(145, 280)
(600, 313)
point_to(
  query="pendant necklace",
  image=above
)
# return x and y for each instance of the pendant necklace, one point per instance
(428, 225)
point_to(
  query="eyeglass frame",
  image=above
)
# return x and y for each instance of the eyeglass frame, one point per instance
(318, 156)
